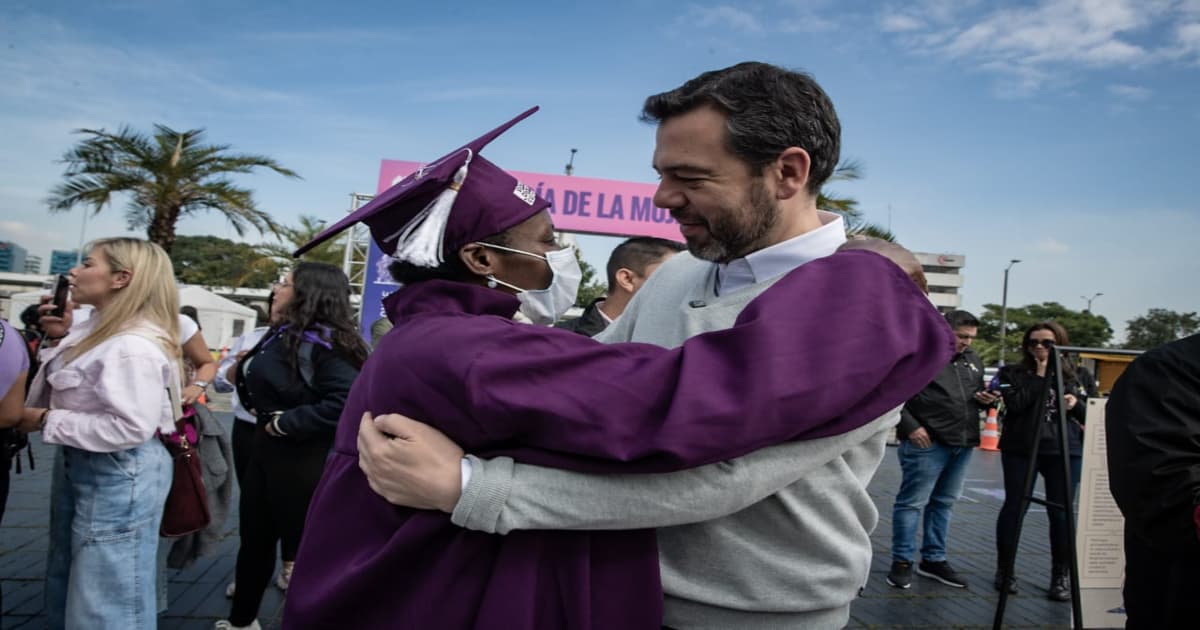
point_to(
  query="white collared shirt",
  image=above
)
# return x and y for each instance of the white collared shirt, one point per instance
(783, 257)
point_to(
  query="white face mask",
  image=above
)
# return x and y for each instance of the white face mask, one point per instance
(544, 306)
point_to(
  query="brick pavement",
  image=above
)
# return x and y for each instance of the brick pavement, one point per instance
(197, 598)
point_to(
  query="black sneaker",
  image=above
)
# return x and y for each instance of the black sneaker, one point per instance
(941, 572)
(901, 574)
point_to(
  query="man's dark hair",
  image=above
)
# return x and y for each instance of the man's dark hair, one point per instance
(31, 318)
(769, 109)
(191, 312)
(638, 253)
(958, 319)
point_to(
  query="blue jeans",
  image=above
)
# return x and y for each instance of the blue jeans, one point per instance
(933, 480)
(105, 512)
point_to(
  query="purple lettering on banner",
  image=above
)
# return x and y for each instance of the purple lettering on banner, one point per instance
(641, 209)
(618, 207)
(585, 198)
(570, 204)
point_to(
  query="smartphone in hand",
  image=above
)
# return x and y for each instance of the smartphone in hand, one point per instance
(61, 296)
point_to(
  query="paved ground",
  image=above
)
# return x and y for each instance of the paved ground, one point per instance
(197, 593)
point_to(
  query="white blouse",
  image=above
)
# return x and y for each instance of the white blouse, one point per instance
(111, 398)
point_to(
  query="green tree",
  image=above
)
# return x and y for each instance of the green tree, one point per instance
(850, 170)
(1159, 326)
(590, 287)
(1084, 328)
(167, 177)
(213, 261)
(292, 237)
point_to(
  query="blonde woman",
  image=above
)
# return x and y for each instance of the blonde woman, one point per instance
(107, 387)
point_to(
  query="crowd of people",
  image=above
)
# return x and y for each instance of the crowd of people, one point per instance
(473, 470)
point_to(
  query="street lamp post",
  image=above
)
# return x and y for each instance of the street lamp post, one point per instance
(1089, 301)
(570, 167)
(1004, 310)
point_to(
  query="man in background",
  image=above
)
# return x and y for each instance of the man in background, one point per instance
(939, 429)
(629, 266)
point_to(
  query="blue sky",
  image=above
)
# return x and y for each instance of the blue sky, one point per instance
(1059, 132)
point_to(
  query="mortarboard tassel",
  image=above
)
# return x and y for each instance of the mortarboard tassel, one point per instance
(422, 238)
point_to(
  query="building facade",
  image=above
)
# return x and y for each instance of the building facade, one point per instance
(61, 260)
(33, 264)
(12, 257)
(944, 274)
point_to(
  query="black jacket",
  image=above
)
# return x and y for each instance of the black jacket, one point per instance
(590, 323)
(1153, 422)
(1026, 412)
(947, 407)
(310, 409)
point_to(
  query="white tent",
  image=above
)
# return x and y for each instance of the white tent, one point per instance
(221, 320)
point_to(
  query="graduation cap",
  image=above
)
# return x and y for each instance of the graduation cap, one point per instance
(456, 199)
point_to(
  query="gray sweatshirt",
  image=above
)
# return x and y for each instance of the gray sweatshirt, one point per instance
(779, 538)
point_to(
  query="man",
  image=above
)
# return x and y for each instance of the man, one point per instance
(939, 429)
(778, 538)
(1153, 422)
(629, 266)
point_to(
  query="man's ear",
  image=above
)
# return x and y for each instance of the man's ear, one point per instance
(625, 279)
(790, 172)
(120, 279)
(479, 260)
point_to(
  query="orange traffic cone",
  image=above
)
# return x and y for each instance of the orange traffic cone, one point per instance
(989, 440)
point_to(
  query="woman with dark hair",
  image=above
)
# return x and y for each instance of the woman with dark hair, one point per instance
(1029, 418)
(295, 383)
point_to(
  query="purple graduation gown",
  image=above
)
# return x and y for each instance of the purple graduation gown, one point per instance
(790, 368)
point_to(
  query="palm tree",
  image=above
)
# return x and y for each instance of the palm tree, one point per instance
(850, 170)
(168, 176)
(332, 251)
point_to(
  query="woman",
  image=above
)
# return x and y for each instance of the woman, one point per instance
(1031, 416)
(199, 365)
(552, 397)
(295, 383)
(104, 391)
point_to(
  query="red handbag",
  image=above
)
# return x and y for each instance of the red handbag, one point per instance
(186, 510)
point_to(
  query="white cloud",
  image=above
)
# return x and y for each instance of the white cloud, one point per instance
(1051, 38)
(1131, 92)
(15, 230)
(899, 22)
(724, 15)
(1052, 246)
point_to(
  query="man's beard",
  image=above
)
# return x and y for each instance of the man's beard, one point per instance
(735, 232)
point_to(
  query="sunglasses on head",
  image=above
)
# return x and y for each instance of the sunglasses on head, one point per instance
(1045, 343)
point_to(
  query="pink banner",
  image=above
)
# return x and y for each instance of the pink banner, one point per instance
(581, 204)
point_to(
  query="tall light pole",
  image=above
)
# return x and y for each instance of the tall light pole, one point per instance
(570, 167)
(1004, 310)
(1089, 301)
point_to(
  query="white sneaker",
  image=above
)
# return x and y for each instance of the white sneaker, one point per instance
(225, 625)
(230, 590)
(285, 575)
